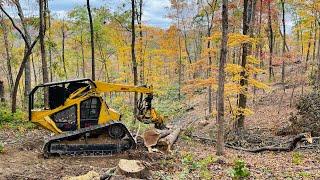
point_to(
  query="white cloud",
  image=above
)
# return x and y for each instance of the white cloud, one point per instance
(155, 12)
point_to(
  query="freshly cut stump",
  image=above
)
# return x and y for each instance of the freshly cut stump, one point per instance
(132, 168)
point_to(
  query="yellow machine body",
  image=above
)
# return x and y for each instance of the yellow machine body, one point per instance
(43, 117)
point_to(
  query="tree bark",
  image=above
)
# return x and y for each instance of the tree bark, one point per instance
(50, 45)
(93, 75)
(209, 29)
(42, 31)
(223, 59)
(27, 73)
(169, 140)
(8, 55)
(308, 51)
(139, 21)
(270, 40)
(63, 50)
(24, 60)
(133, 55)
(2, 91)
(243, 81)
(151, 136)
(82, 56)
(318, 63)
(284, 41)
(314, 42)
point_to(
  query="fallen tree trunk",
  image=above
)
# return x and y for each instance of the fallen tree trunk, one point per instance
(151, 136)
(292, 144)
(168, 141)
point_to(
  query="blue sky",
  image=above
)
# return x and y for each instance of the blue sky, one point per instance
(155, 11)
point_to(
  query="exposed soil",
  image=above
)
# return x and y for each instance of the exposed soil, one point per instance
(22, 158)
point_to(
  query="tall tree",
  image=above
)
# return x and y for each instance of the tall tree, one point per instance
(209, 10)
(223, 58)
(93, 75)
(133, 54)
(63, 33)
(139, 21)
(243, 81)
(8, 54)
(26, 56)
(284, 40)
(270, 37)
(42, 31)
(27, 73)
(50, 42)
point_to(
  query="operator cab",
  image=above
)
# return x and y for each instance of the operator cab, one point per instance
(66, 118)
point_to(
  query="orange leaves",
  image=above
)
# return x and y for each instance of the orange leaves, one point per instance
(234, 40)
(196, 84)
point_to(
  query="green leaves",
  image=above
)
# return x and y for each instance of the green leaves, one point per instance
(239, 171)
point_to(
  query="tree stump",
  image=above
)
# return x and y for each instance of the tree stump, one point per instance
(132, 169)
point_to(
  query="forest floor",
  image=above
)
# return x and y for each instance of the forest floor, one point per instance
(22, 157)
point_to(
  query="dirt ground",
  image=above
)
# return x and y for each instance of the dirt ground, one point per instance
(22, 158)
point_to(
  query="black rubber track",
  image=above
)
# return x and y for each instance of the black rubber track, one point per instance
(56, 145)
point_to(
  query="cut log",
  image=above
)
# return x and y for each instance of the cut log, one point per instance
(132, 169)
(169, 140)
(151, 136)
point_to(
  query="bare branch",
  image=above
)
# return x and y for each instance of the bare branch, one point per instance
(14, 25)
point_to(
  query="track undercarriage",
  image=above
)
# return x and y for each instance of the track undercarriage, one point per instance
(95, 140)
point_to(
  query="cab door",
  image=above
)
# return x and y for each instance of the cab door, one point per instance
(90, 111)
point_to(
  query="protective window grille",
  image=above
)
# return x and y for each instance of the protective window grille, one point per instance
(90, 108)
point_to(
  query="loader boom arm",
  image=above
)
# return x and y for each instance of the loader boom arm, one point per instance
(146, 113)
(103, 87)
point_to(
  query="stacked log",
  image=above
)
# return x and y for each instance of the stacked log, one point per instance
(162, 139)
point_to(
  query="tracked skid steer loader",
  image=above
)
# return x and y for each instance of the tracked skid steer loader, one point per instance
(82, 120)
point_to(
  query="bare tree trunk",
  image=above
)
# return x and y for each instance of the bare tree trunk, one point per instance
(243, 81)
(308, 50)
(50, 45)
(223, 58)
(92, 42)
(82, 56)
(185, 37)
(34, 70)
(180, 66)
(42, 31)
(63, 50)
(24, 60)
(209, 28)
(270, 40)
(139, 21)
(318, 64)
(133, 55)
(104, 59)
(314, 42)
(8, 55)
(27, 79)
(284, 41)
(2, 92)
